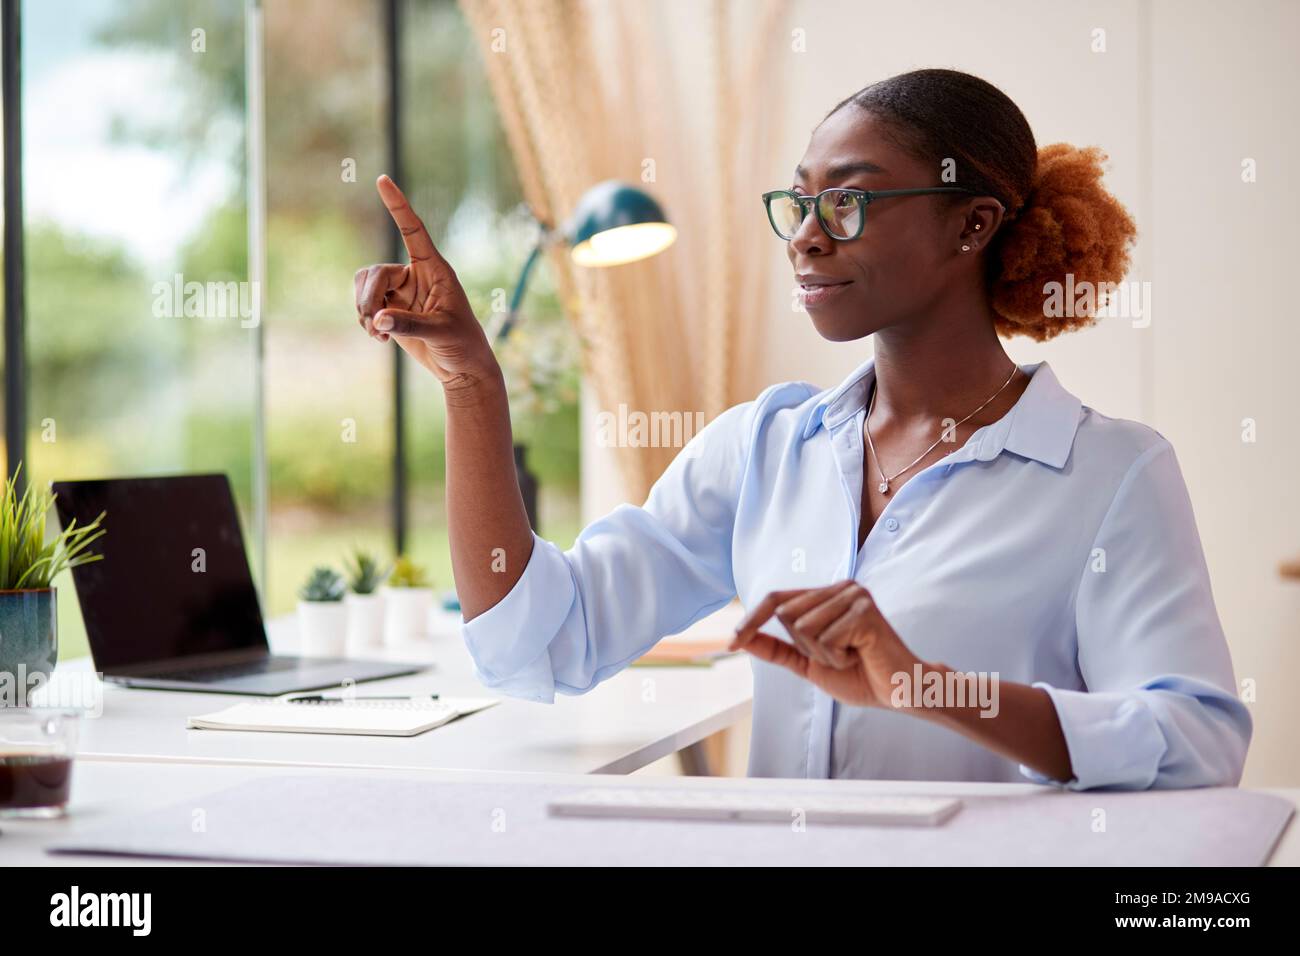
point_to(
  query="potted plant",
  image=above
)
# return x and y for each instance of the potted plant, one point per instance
(541, 362)
(408, 597)
(365, 606)
(322, 618)
(28, 563)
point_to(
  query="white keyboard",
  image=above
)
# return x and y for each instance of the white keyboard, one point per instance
(663, 804)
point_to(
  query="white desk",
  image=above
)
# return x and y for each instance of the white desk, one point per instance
(105, 791)
(629, 721)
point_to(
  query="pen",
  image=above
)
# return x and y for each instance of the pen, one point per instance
(319, 699)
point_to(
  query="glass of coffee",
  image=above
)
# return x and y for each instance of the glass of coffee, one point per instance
(36, 749)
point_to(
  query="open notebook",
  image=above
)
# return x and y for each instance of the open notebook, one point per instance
(382, 718)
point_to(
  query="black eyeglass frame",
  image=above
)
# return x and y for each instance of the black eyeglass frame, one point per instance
(864, 197)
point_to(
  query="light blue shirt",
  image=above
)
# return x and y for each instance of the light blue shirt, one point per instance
(1057, 547)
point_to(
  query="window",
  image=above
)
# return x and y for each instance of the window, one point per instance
(133, 192)
(144, 356)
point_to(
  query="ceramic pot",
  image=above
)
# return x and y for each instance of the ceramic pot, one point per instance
(29, 642)
(365, 621)
(406, 614)
(322, 628)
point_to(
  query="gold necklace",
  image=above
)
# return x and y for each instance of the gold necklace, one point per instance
(886, 479)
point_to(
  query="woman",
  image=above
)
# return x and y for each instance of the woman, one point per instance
(953, 568)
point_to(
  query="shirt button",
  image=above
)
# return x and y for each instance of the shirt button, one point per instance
(891, 524)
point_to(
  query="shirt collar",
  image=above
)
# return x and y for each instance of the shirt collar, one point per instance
(1041, 425)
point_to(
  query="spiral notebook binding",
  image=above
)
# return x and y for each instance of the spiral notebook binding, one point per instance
(417, 704)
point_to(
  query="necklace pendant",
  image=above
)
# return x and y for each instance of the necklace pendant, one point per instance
(884, 487)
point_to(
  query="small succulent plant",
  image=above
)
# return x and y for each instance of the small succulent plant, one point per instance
(363, 572)
(324, 584)
(408, 574)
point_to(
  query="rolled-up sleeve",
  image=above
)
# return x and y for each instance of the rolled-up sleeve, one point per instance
(635, 576)
(1160, 709)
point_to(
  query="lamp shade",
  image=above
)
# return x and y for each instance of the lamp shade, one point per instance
(614, 222)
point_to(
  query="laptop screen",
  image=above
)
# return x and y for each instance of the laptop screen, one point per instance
(174, 580)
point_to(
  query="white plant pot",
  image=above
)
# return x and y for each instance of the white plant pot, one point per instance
(365, 621)
(406, 614)
(322, 628)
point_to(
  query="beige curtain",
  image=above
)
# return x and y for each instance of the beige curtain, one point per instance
(679, 98)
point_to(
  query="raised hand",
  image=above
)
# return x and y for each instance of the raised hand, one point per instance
(423, 305)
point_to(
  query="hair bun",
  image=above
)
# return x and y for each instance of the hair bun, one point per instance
(1069, 225)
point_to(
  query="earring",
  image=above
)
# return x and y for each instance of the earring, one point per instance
(965, 248)
(977, 225)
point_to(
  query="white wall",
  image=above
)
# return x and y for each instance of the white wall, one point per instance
(1184, 91)
(1223, 255)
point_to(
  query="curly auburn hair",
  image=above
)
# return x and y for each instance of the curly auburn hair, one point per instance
(1060, 219)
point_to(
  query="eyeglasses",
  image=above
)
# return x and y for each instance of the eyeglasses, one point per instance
(841, 212)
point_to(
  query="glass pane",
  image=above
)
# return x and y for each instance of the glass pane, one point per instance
(329, 386)
(139, 328)
(461, 180)
(4, 444)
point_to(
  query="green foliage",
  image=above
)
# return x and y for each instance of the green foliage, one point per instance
(80, 368)
(324, 584)
(408, 574)
(363, 571)
(27, 559)
(219, 251)
(540, 361)
(552, 440)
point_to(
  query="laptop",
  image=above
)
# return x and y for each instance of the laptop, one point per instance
(172, 606)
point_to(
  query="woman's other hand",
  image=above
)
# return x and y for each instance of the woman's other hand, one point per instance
(423, 305)
(842, 643)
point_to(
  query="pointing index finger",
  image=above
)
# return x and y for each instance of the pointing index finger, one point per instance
(418, 244)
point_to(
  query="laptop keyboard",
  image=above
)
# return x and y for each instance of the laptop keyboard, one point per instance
(267, 665)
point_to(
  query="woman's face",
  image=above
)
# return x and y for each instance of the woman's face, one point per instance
(906, 253)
